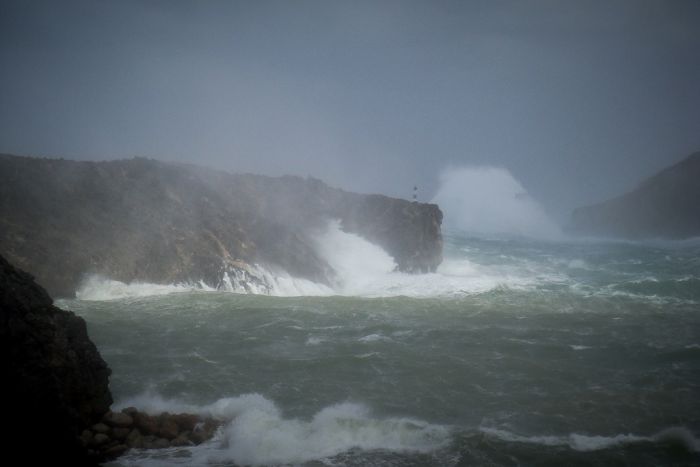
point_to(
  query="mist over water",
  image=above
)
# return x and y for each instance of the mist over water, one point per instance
(490, 200)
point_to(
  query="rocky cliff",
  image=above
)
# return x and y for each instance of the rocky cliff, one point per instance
(666, 205)
(145, 220)
(54, 382)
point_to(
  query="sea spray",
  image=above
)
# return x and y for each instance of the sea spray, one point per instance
(490, 200)
(257, 433)
(361, 269)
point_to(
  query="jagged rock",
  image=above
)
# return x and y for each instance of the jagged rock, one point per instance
(666, 205)
(145, 220)
(51, 374)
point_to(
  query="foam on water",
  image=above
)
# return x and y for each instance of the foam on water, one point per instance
(100, 288)
(255, 432)
(362, 269)
(580, 442)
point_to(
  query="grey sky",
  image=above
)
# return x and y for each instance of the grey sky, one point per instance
(578, 99)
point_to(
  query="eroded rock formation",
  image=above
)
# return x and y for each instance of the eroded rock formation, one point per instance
(145, 220)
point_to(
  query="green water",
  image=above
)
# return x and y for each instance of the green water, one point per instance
(515, 353)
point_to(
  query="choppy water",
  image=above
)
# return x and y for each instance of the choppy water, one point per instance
(517, 352)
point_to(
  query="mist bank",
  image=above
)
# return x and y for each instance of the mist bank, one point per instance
(145, 220)
(666, 205)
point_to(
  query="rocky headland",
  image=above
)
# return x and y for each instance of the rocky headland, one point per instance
(145, 220)
(666, 205)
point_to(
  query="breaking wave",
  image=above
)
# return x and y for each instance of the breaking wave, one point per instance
(362, 269)
(489, 200)
(255, 432)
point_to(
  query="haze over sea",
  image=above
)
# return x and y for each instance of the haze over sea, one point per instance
(523, 349)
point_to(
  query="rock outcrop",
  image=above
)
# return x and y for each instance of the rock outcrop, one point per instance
(145, 220)
(666, 205)
(54, 382)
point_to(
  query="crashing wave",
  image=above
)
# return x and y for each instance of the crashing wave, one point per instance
(256, 432)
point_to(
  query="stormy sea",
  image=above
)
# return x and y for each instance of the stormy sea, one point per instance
(514, 352)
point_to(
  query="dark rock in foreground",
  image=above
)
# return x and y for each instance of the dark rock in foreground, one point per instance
(666, 205)
(54, 382)
(145, 220)
(55, 388)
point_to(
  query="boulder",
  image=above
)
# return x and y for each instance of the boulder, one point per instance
(116, 451)
(100, 439)
(147, 424)
(100, 428)
(168, 429)
(120, 433)
(118, 419)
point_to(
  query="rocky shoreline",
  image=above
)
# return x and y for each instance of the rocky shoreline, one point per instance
(117, 432)
(142, 220)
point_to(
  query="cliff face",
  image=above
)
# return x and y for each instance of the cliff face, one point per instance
(666, 205)
(54, 382)
(145, 220)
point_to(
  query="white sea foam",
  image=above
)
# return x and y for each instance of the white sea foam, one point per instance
(580, 347)
(315, 340)
(255, 432)
(277, 283)
(374, 338)
(99, 288)
(580, 442)
(362, 269)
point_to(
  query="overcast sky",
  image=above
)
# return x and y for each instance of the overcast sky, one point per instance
(580, 100)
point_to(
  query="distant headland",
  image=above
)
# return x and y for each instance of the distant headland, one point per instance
(145, 220)
(666, 205)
